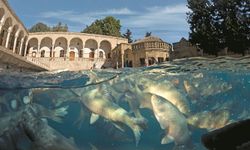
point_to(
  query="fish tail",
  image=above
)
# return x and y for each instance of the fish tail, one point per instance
(139, 125)
(59, 113)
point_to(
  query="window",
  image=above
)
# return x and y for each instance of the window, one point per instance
(91, 55)
(33, 54)
(100, 54)
(61, 53)
(43, 53)
(160, 59)
(81, 53)
(109, 55)
(142, 61)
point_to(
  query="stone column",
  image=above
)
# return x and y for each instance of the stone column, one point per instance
(52, 49)
(2, 23)
(21, 47)
(26, 47)
(67, 52)
(8, 37)
(1, 26)
(14, 47)
(122, 59)
(38, 47)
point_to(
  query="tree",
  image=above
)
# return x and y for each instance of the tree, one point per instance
(218, 24)
(40, 27)
(233, 23)
(94, 28)
(128, 36)
(107, 26)
(60, 28)
(203, 29)
(148, 34)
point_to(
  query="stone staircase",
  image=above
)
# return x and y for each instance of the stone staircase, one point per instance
(7, 57)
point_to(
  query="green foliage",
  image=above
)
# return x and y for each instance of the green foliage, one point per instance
(40, 27)
(128, 36)
(148, 34)
(217, 24)
(60, 28)
(107, 26)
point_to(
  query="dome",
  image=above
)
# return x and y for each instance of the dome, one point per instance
(149, 39)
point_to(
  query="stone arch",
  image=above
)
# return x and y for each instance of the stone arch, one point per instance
(91, 44)
(46, 46)
(19, 41)
(13, 36)
(4, 32)
(32, 46)
(2, 12)
(61, 43)
(23, 46)
(76, 45)
(106, 46)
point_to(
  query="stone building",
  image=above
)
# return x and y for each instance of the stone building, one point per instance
(120, 55)
(144, 52)
(184, 49)
(54, 50)
(75, 51)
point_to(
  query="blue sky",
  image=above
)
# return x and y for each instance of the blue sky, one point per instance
(164, 18)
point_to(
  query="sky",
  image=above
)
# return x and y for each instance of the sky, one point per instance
(164, 18)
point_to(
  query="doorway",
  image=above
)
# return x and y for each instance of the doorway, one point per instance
(71, 56)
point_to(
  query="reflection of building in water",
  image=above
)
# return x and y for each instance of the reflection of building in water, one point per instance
(144, 52)
(184, 49)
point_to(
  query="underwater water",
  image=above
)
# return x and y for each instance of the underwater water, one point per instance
(128, 109)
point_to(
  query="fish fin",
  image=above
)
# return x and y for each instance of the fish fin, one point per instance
(118, 127)
(44, 120)
(145, 103)
(80, 119)
(167, 139)
(59, 113)
(93, 147)
(137, 134)
(93, 118)
(139, 125)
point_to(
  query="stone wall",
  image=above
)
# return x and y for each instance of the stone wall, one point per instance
(77, 64)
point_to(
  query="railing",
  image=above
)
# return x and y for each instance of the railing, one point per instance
(37, 62)
(65, 62)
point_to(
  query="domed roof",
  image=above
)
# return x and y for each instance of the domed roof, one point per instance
(149, 39)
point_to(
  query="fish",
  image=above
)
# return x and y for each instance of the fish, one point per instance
(208, 86)
(172, 121)
(210, 120)
(94, 99)
(191, 91)
(166, 90)
(115, 132)
(28, 122)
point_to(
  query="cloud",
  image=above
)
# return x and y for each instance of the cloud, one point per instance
(122, 11)
(86, 18)
(167, 20)
(168, 17)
